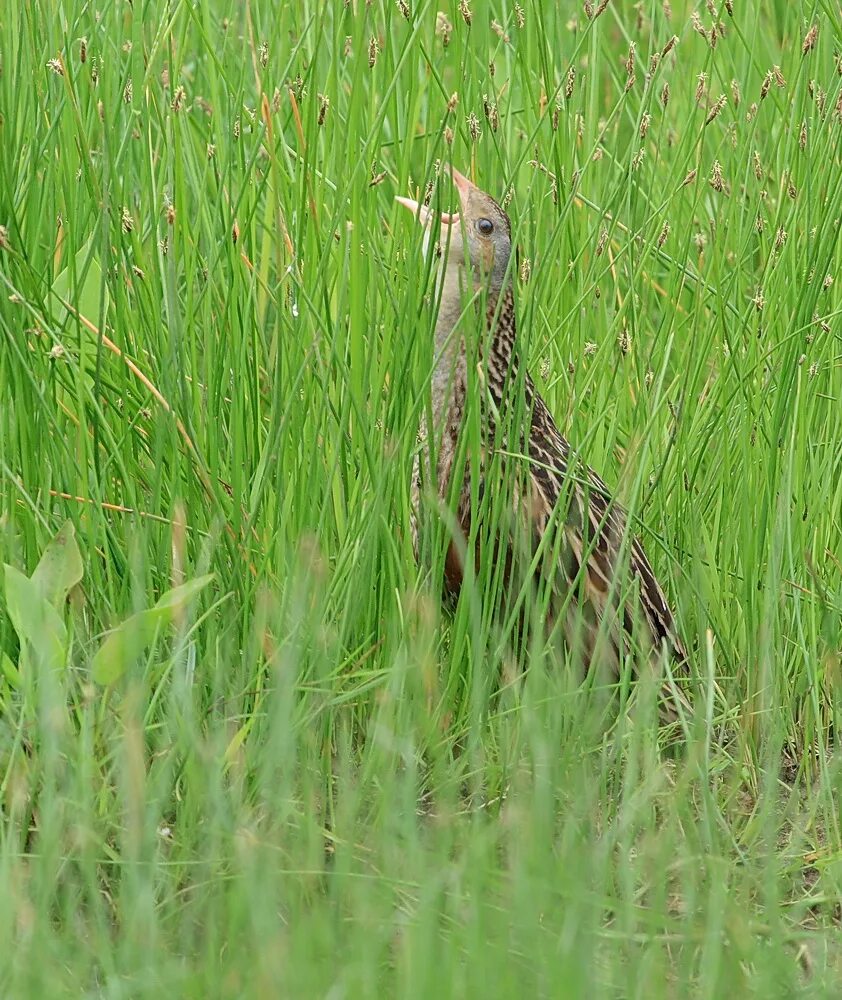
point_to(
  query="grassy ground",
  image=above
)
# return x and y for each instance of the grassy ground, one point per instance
(288, 772)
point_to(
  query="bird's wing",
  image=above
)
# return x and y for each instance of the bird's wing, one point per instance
(595, 527)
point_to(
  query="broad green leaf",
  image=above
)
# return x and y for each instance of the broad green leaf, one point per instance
(35, 620)
(127, 642)
(88, 294)
(60, 567)
(175, 599)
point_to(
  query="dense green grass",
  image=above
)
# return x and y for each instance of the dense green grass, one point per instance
(300, 779)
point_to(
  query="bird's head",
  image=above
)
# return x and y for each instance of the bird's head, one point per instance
(479, 232)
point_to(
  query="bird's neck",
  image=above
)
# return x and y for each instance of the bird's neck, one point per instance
(460, 340)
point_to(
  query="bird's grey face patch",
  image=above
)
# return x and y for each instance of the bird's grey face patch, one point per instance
(478, 236)
(489, 252)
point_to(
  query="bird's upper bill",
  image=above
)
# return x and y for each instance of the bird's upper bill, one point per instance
(425, 214)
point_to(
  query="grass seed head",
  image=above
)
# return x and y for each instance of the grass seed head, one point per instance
(810, 39)
(701, 88)
(600, 243)
(569, 82)
(490, 111)
(4, 239)
(664, 234)
(671, 44)
(698, 27)
(500, 31)
(520, 17)
(465, 11)
(373, 49)
(714, 111)
(403, 7)
(126, 220)
(645, 121)
(624, 341)
(736, 95)
(474, 129)
(324, 107)
(765, 86)
(665, 95)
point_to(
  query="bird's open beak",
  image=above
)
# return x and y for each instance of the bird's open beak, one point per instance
(425, 214)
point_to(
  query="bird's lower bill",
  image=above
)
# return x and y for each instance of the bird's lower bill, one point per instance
(425, 215)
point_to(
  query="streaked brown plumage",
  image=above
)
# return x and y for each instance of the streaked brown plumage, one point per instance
(565, 531)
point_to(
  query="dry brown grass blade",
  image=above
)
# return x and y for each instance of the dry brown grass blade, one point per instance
(303, 142)
(117, 508)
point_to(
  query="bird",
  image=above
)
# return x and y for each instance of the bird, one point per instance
(562, 533)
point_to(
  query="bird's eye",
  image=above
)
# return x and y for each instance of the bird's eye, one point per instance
(485, 226)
